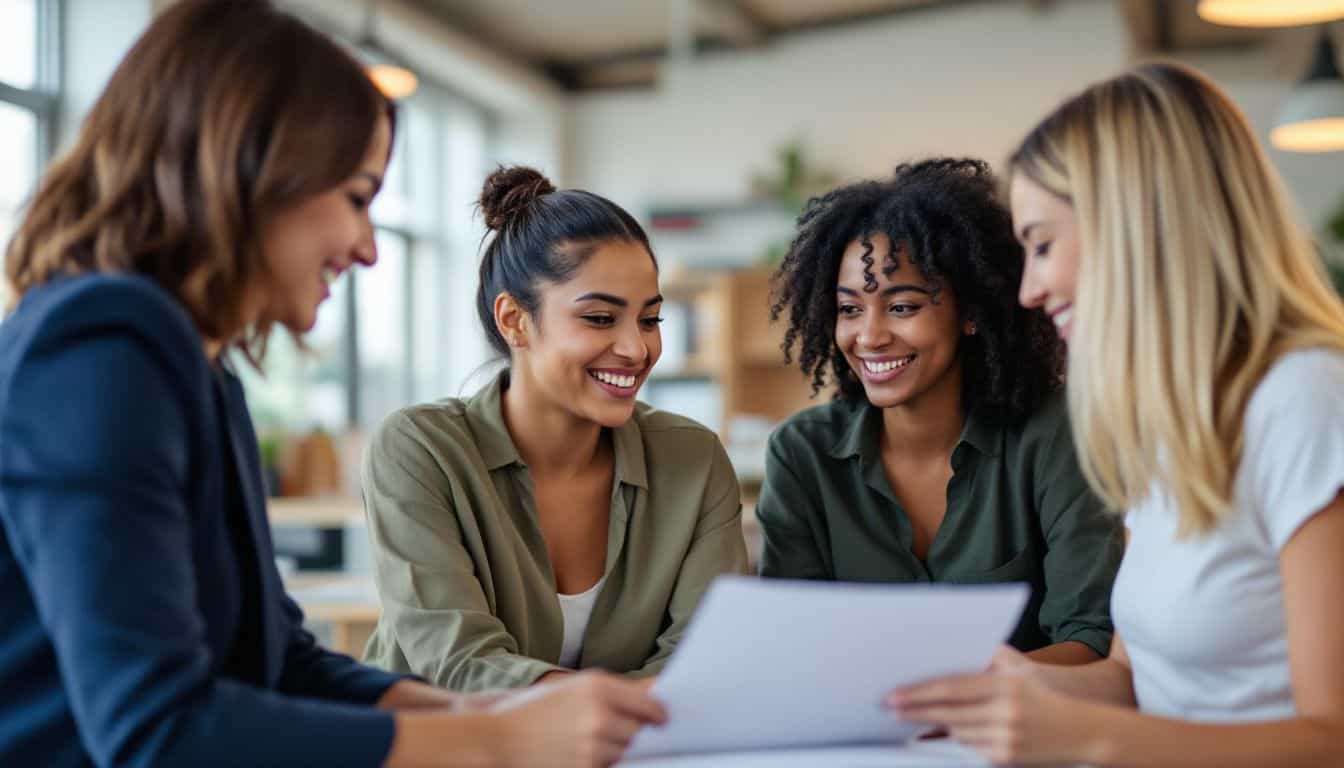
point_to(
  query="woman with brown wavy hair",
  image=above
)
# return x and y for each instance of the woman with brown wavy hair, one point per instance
(221, 182)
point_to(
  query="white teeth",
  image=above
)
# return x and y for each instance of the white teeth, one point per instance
(329, 275)
(1062, 318)
(883, 367)
(625, 382)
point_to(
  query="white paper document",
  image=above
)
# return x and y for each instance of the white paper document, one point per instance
(768, 664)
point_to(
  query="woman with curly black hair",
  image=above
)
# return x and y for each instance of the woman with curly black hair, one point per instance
(946, 455)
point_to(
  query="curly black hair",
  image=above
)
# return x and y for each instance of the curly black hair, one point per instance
(946, 216)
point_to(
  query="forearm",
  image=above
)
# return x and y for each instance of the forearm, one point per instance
(440, 739)
(1121, 737)
(1067, 653)
(1105, 681)
(410, 694)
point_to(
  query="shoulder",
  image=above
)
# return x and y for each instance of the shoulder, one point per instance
(656, 425)
(1047, 426)
(102, 322)
(1292, 462)
(1306, 381)
(817, 429)
(89, 302)
(437, 425)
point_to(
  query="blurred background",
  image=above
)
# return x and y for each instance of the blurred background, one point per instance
(712, 121)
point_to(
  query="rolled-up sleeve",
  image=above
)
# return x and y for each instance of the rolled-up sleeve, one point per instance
(1084, 543)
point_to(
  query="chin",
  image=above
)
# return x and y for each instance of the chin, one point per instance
(613, 416)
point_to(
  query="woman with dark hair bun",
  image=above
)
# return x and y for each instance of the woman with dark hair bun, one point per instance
(550, 522)
(946, 456)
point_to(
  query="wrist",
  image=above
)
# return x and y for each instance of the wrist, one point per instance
(1097, 729)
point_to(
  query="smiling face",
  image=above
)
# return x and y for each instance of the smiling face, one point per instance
(308, 245)
(1047, 227)
(898, 342)
(596, 336)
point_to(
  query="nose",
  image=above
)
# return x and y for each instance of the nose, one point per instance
(365, 250)
(1031, 293)
(630, 345)
(873, 333)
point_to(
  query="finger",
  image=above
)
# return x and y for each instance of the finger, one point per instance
(619, 729)
(962, 689)
(630, 699)
(954, 716)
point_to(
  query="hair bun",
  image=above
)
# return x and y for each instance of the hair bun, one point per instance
(508, 191)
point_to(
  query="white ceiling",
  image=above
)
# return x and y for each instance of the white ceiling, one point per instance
(606, 43)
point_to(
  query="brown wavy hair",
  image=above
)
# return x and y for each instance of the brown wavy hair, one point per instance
(223, 114)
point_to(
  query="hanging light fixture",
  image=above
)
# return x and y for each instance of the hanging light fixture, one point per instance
(393, 78)
(1270, 13)
(1312, 117)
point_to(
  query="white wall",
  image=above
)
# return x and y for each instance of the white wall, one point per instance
(97, 34)
(963, 81)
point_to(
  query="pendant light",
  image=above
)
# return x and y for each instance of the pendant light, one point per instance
(393, 78)
(1270, 13)
(1312, 117)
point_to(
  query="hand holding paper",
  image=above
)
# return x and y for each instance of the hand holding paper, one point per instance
(770, 664)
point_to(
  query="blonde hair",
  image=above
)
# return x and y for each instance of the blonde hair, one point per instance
(1193, 279)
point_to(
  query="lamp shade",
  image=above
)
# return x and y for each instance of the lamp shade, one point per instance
(1311, 119)
(1270, 13)
(396, 82)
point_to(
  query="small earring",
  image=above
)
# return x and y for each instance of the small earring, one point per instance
(970, 329)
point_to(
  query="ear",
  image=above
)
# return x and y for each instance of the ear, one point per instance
(512, 320)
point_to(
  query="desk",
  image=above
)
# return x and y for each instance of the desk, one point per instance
(347, 602)
(925, 754)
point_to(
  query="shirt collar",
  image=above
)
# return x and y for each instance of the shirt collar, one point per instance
(485, 417)
(862, 436)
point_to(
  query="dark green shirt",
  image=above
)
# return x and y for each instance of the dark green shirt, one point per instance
(1018, 509)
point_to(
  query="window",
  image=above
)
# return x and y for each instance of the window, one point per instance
(27, 101)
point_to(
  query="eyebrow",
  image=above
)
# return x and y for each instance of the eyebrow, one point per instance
(617, 300)
(888, 291)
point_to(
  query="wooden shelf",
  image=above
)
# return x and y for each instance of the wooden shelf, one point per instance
(323, 511)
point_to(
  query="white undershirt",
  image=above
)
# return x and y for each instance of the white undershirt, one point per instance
(576, 610)
(1203, 617)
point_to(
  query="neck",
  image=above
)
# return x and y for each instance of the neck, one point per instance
(929, 426)
(549, 439)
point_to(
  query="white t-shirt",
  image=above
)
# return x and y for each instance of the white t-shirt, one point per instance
(1203, 618)
(576, 610)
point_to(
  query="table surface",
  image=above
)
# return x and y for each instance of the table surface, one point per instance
(925, 754)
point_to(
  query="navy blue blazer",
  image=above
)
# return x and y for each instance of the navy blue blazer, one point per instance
(134, 539)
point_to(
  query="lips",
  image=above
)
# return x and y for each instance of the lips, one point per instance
(883, 369)
(621, 383)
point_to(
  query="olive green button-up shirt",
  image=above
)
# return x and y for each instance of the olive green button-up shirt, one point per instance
(1018, 509)
(468, 595)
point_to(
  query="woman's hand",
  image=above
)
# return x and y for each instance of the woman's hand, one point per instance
(584, 719)
(1008, 716)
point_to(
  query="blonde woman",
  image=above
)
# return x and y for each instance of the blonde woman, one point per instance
(1206, 387)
